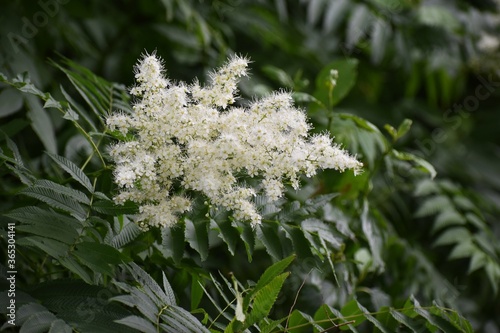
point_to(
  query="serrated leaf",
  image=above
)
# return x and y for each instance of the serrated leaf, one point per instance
(71, 168)
(422, 164)
(126, 235)
(71, 115)
(188, 320)
(169, 293)
(321, 229)
(478, 260)
(38, 323)
(27, 310)
(335, 13)
(373, 235)
(352, 312)
(98, 257)
(433, 205)
(452, 236)
(426, 187)
(297, 321)
(265, 298)
(42, 124)
(464, 249)
(108, 207)
(51, 229)
(11, 101)
(406, 321)
(358, 24)
(372, 319)
(75, 267)
(197, 236)
(59, 326)
(56, 200)
(448, 217)
(272, 272)
(438, 322)
(64, 190)
(138, 323)
(173, 241)
(267, 233)
(314, 11)
(381, 32)
(196, 291)
(300, 243)
(52, 247)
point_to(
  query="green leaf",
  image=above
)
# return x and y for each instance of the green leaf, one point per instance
(300, 243)
(42, 124)
(51, 229)
(267, 233)
(52, 247)
(381, 32)
(352, 312)
(56, 200)
(438, 322)
(406, 321)
(265, 298)
(38, 323)
(64, 190)
(98, 257)
(324, 231)
(11, 101)
(75, 172)
(173, 241)
(27, 310)
(335, 14)
(272, 272)
(138, 323)
(169, 293)
(372, 319)
(108, 207)
(297, 322)
(446, 218)
(278, 75)
(392, 131)
(196, 291)
(422, 164)
(247, 234)
(228, 234)
(373, 235)
(452, 236)
(359, 22)
(59, 326)
(187, 320)
(403, 128)
(347, 74)
(75, 267)
(433, 205)
(302, 97)
(129, 232)
(197, 236)
(438, 16)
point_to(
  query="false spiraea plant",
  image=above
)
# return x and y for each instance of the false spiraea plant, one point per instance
(181, 138)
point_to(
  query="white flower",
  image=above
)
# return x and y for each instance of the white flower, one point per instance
(191, 138)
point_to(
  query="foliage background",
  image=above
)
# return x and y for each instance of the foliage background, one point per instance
(393, 232)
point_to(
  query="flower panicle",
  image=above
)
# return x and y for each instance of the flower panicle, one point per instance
(191, 138)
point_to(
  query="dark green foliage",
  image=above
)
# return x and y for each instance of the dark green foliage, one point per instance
(415, 99)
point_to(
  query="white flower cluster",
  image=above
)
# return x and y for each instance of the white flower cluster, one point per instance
(186, 137)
